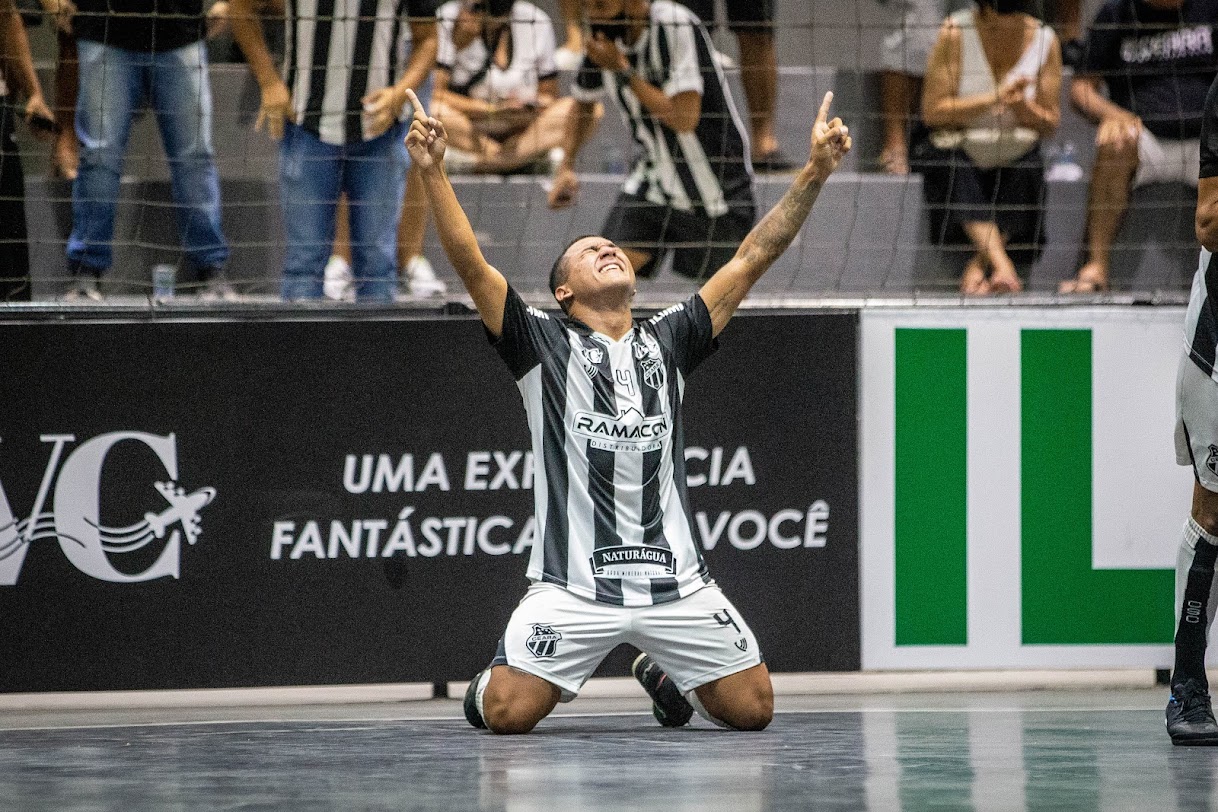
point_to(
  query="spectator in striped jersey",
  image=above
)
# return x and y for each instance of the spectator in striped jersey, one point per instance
(690, 191)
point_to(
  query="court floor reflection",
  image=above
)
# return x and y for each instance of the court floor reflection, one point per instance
(1044, 750)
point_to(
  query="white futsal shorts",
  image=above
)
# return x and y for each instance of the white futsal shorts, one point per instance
(562, 638)
(1197, 422)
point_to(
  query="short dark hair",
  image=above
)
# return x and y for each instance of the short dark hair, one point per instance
(558, 272)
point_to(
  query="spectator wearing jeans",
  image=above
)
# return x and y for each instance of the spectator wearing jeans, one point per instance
(339, 122)
(130, 50)
(1156, 59)
(17, 77)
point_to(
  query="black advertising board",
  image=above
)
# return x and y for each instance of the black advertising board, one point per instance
(255, 503)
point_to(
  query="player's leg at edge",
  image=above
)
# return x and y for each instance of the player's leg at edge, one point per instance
(1190, 717)
(740, 701)
(507, 700)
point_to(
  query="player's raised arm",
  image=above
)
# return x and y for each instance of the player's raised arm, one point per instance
(724, 291)
(426, 142)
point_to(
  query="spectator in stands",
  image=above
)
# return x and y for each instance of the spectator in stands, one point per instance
(341, 130)
(65, 154)
(1156, 59)
(496, 86)
(690, 190)
(990, 95)
(17, 78)
(903, 60)
(131, 50)
(753, 23)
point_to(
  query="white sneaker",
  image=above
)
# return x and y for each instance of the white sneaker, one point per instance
(218, 290)
(83, 289)
(421, 278)
(339, 284)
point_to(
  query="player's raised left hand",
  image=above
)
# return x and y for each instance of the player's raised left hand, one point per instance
(830, 141)
(427, 138)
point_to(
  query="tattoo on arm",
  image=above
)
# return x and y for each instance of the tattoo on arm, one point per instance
(773, 235)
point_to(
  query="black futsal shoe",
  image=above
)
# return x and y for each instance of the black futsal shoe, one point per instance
(670, 708)
(1190, 719)
(471, 703)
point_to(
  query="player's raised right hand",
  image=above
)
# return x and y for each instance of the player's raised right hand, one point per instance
(427, 138)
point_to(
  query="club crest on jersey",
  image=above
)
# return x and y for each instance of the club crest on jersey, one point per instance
(1211, 462)
(647, 353)
(543, 642)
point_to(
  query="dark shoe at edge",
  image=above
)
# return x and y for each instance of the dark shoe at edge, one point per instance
(1190, 718)
(669, 707)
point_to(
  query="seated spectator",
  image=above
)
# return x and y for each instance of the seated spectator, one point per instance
(990, 95)
(496, 86)
(132, 50)
(17, 78)
(341, 132)
(1156, 59)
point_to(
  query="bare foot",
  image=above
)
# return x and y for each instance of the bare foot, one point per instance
(1092, 278)
(1003, 279)
(973, 281)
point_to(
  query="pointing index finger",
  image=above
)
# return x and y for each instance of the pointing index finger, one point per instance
(823, 114)
(419, 113)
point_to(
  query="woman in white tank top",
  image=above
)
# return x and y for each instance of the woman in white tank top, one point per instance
(992, 92)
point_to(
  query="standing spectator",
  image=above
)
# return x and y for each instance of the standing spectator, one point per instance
(903, 58)
(65, 153)
(690, 190)
(17, 77)
(496, 86)
(131, 50)
(339, 115)
(1156, 58)
(991, 93)
(752, 21)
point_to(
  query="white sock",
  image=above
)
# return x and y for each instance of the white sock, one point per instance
(692, 696)
(483, 679)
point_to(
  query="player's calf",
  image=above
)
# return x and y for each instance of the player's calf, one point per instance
(740, 701)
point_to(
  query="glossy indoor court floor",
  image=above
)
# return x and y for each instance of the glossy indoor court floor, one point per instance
(1051, 750)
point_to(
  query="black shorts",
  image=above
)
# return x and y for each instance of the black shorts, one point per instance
(700, 245)
(743, 16)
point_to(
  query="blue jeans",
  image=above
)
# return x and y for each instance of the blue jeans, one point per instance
(113, 83)
(311, 176)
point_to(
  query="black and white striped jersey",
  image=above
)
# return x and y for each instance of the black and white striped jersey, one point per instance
(1201, 321)
(698, 171)
(613, 518)
(337, 52)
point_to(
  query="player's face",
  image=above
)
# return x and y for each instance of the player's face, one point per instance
(595, 265)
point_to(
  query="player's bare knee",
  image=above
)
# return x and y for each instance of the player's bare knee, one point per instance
(508, 715)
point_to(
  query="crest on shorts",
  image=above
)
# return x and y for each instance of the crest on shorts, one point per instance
(1211, 462)
(543, 642)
